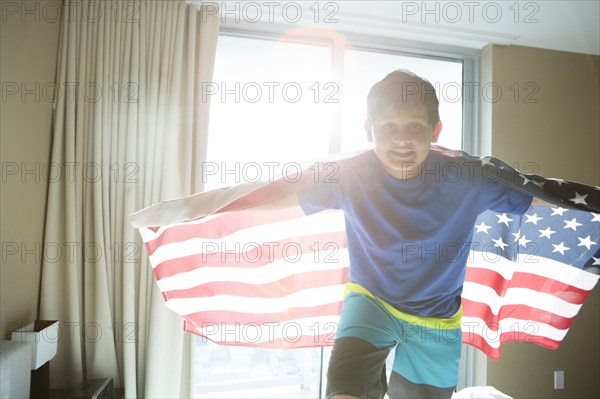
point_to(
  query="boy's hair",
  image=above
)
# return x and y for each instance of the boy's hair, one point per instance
(402, 89)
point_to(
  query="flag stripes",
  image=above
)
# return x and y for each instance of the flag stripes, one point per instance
(512, 301)
(276, 278)
(276, 289)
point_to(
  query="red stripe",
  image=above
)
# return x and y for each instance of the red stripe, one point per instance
(534, 282)
(221, 226)
(217, 317)
(254, 255)
(495, 353)
(275, 289)
(520, 312)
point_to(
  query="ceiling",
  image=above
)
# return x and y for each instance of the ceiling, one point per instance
(572, 26)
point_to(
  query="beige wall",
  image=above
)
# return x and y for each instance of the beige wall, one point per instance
(558, 136)
(28, 51)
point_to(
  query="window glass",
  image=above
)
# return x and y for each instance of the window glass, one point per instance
(268, 109)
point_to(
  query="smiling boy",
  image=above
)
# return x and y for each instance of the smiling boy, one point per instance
(409, 216)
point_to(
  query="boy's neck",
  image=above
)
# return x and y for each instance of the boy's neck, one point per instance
(410, 172)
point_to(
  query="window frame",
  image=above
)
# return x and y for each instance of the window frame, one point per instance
(473, 365)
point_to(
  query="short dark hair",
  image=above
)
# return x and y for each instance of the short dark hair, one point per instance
(403, 89)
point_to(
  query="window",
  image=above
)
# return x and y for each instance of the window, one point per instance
(271, 107)
(280, 103)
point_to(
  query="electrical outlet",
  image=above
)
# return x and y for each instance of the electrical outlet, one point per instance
(559, 379)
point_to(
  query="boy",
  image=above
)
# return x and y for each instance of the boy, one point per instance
(406, 225)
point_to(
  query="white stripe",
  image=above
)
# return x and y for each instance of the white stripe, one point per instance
(476, 325)
(321, 223)
(532, 264)
(518, 296)
(303, 299)
(277, 270)
(290, 330)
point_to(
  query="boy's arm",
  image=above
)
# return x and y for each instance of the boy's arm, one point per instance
(283, 203)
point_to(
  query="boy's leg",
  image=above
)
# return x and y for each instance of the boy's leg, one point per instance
(426, 362)
(363, 342)
(401, 388)
(356, 369)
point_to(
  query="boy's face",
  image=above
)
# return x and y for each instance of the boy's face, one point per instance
(402, 139)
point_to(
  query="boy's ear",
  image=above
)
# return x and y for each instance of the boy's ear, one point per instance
(436, 131)
(369, 130)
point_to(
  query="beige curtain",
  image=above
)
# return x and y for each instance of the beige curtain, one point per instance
(129, 130)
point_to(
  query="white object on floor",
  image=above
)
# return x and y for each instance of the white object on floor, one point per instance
(15, 369)
(486, 392)
(43, 337)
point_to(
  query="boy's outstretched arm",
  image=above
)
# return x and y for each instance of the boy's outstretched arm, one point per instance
(283, 203)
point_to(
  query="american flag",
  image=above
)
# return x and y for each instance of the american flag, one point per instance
(277, 278)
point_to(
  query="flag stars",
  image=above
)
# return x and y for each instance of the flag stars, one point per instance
(596, 261)
(546, 233)
(571, 224)
(558, 181)
(579, 199)
(596, 217)
(560, 248)
(500, 243)
(540, 184)
(482, 228)
(533, 218)
(585, 242)
(504, 219)
(517, 235)
(525, 179)
(558, 211)
(486, 161)
(523, 241)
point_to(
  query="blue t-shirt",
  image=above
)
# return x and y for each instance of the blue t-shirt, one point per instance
(408, 240)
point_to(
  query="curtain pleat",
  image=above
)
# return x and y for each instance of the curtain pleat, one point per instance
(132, 129)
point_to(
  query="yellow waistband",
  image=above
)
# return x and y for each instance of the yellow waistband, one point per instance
(452, 322)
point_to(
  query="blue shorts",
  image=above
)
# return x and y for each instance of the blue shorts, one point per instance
(427, 350)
